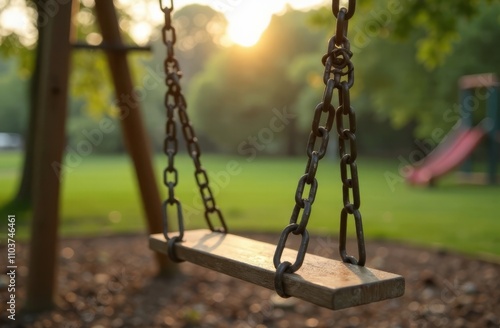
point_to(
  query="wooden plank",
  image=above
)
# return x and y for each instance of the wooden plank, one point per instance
(324, 282)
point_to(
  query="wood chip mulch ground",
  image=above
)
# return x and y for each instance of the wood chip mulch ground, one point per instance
(111, 282)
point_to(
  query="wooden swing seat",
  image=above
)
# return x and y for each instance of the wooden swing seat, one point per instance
(325, 282)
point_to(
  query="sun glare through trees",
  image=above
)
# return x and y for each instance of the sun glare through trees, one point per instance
(246, 20)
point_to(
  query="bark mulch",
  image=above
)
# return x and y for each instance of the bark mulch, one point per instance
(110, 282)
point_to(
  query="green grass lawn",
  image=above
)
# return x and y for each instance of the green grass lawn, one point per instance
(100, 197)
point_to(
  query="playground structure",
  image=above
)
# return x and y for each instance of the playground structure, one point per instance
(457, 147)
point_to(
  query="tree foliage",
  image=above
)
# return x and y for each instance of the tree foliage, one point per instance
(435, 22)
(440, 21)
(397, 86)
(241, 89)
(408, 56)
(13, 94)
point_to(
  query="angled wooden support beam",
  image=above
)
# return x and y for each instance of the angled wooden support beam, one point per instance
(136, 140)
(109, 47)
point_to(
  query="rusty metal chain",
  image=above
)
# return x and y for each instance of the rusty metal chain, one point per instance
(339, 68)
(176, 102)
(338, 76)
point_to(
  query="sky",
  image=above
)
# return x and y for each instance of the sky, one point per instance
(247, 19)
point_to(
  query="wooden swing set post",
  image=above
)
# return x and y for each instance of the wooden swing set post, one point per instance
(52, 95)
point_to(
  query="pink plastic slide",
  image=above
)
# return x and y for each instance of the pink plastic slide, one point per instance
(447, 156)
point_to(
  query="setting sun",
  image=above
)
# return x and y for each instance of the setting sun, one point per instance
(245, 27)
(244, 34)
(248, 19)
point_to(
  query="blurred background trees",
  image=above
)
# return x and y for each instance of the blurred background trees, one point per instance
(408, 57)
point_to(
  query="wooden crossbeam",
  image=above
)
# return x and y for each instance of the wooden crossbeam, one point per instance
(110, 47)
(321, 281)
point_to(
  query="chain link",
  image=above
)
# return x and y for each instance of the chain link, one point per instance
(338, 77)
(176, 102)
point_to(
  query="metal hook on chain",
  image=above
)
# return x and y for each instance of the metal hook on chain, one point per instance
(166, 8)
(349, 5)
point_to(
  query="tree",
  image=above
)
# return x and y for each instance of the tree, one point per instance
(248, 89)
(12, 92)
(199, 30)
(24, 195)
(404, 53)
(436, 23)
(199, 33)
(400, 88)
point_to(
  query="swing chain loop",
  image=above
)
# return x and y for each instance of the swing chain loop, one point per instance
(287, 267)
(359, 236)
(180, 220)
(341, 28)
(305, 216)
(217, 211)
(279, 285)
(300, 191)
(325, 136)
(175, 102)
(338, 63)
